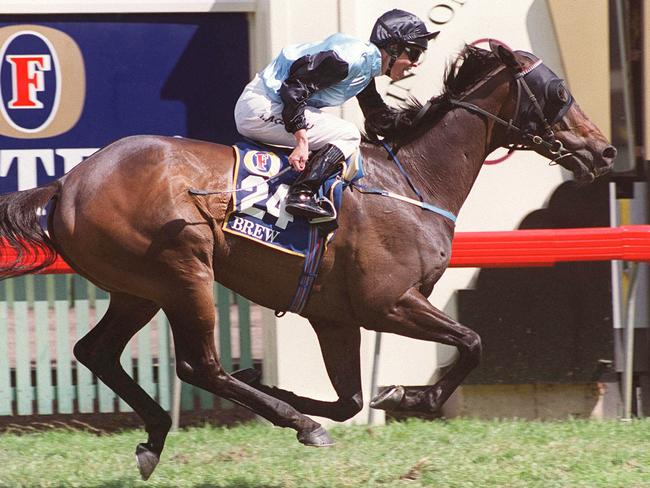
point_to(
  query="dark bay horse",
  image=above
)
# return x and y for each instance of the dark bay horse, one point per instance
(124, 220)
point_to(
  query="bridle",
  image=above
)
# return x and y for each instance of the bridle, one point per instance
(527, 134)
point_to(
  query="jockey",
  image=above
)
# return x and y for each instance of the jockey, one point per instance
(282, 104)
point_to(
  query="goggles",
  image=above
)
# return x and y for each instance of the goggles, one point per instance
(413, 53)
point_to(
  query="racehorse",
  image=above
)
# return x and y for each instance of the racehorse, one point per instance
(125, 220)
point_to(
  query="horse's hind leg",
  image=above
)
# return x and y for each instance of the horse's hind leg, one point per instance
(192, 318)
(413, 316)
(339, 345)
(100, 351)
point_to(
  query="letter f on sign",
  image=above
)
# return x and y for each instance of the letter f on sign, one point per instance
(27, 79)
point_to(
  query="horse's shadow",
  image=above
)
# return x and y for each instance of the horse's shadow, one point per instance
(236, 483)
(545, 324)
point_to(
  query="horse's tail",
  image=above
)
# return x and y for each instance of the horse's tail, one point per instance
(25, 246)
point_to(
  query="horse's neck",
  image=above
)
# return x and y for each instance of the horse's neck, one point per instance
(446, 161)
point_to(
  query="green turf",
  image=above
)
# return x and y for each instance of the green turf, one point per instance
(458, 453)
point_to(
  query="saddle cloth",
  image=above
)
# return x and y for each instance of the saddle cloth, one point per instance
(261, 179)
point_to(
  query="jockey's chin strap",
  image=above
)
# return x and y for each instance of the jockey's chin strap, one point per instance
(549, 141)
(391, 63)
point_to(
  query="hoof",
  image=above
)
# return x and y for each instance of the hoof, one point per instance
(389, 399)
(249, 376)
(146, 460)
(316, 438)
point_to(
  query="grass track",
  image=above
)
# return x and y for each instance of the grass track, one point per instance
(458, 453)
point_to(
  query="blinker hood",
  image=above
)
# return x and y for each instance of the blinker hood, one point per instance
(550, 92)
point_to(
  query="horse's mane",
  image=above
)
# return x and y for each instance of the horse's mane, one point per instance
(396, 125)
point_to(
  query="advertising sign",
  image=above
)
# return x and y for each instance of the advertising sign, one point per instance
(71, 84)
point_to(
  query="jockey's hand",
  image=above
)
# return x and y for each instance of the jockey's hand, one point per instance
(299, 155)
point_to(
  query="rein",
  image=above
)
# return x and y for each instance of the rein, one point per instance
(549, 141)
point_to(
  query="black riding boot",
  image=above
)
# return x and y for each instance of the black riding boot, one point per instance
(322, 165)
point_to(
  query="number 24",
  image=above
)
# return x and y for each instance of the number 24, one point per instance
(274, 205)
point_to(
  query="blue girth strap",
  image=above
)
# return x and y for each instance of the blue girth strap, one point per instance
(385, 193)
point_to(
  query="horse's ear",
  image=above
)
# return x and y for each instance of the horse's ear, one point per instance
(504, 54)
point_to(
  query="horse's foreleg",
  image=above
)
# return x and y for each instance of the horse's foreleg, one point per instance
(340, 347)
(100, 351)
(413, 316)
(192, 318)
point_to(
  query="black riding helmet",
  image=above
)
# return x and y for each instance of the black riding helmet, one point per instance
(401, 27)
(397, 29)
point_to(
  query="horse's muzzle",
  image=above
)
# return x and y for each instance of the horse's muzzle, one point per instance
(607, 157)
(587, 165)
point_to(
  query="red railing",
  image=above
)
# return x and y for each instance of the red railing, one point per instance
(520, 248)
(550, 246)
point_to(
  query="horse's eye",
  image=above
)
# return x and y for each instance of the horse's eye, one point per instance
(562, 93)
(556, 91)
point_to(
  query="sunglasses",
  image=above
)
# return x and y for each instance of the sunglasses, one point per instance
(413, 53)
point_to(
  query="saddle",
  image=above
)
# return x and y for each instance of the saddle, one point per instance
(262, 177)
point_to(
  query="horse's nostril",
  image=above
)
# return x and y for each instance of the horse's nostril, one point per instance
(609, 152)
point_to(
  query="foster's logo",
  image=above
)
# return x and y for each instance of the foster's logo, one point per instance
(262, 163)
(42, 82)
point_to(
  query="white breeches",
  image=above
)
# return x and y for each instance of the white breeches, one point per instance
(259, 118)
